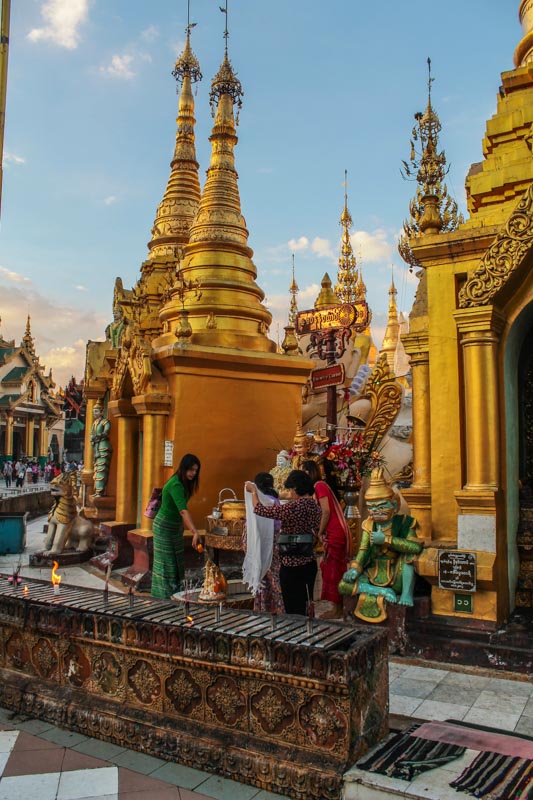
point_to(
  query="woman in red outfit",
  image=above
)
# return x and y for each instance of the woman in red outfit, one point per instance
(337, 542)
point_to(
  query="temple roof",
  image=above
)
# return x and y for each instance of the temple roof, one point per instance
(14, 375)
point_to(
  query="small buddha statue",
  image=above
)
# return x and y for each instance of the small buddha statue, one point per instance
(383, 570)
(281, 471)
(304, 445)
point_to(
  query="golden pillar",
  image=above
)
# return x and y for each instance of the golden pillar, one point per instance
(43, 450)
(10, 420)
(479, 330)
(154, 410)
(126, 455)
(88, 459)
(29, 436)
(419, 494)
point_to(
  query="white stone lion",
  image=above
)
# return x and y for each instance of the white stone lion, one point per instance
(65, 526)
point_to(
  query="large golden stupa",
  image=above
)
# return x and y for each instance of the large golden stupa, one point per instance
(188, 365)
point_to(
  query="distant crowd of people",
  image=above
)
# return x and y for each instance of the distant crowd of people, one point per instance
(28, 471)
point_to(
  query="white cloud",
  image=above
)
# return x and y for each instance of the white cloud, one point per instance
(13, 277)
(80, 288)
(60, 332)
(12, 158)
(62, 20)
(298, 244)
(265, 170)
(322, 248)
(372, 245)
(150, 34)
(120, 67)
(108, 201)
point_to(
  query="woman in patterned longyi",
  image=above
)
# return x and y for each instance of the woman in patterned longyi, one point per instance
(299, 518)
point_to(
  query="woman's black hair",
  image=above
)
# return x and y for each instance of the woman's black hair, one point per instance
(265, 483)
(300, 482)
(311, 467)
(187, 462)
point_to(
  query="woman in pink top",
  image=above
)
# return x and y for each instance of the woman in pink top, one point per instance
(337, 540)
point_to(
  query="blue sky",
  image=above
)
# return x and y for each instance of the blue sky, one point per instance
(90, 127)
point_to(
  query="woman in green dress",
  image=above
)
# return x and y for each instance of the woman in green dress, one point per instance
(169, 562)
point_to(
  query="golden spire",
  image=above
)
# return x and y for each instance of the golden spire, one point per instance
(327, 296)
(347, 276)
(180, 202)
(217, 257)
(392, 333)
(360, 289)
(524, 51)
(27, 339)
(293, 308)
(432, 210)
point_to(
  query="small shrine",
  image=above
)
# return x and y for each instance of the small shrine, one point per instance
(29, 406)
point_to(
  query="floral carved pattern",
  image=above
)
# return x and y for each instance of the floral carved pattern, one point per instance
(183, 691)
(226, 702)
(385, 396)
(323, 722)
(17, 652)
(271, 710)
(503, 257)
(144, 682)
(107, 673)
(44, 658)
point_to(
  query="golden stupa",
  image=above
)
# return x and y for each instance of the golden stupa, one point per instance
(188, 365)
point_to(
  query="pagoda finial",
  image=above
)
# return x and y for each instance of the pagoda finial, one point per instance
(27, 339)
(187, 63)
(347, 277)
(225, 81)
(293, 308)
(327, 296)
(432, 210)
(392, 332)
(180, 202)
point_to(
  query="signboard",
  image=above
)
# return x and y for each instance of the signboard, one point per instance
(327, 376)
(169, 453)
(347, 315)
(457, 571)
(463, 603)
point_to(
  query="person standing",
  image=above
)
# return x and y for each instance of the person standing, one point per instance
(335, 535)
(300, 521)
(169, 561)
(268, 596)
(8, 473)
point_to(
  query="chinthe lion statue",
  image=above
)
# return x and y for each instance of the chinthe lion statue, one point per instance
(66, 529)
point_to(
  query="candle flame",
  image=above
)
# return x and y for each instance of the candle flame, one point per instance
(190, 620)
(25, 590)
(56, 579)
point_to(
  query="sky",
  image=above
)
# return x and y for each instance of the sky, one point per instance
(90, 131)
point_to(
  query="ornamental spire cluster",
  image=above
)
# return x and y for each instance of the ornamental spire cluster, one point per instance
(348, 274)
(432, 210)
(293, 289)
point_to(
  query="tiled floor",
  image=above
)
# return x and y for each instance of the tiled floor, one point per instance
(38, 760)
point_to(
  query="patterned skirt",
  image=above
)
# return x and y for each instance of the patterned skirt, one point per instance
(169, 562)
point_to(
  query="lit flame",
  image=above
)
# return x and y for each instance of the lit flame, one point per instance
(25, 590)
(189, 620)
(56, 579)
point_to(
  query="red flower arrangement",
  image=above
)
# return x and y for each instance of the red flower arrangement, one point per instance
(352, 459)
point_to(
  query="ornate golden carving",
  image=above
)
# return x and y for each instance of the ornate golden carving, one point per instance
(322, 721)
(134, 357)
(183, 691)
(144, 682)
(503, 257)
(44, 658)
(107, 673)
(385, 396)
(226, 701)
(272, 710)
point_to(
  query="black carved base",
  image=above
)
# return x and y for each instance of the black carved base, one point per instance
(67, 558)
